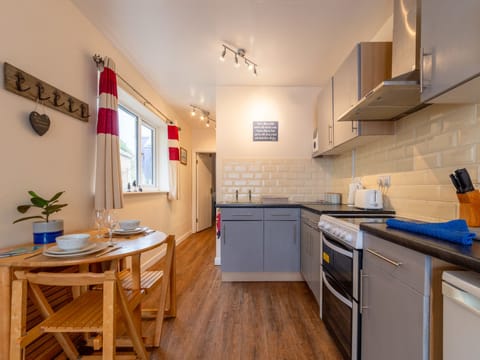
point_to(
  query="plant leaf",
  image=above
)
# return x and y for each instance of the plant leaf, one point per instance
(54, 208)
(38, 202)
(34, 194)
(23, 208)
(56, 196)
(28, 218)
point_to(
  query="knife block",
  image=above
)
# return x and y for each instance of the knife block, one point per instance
(470, 207)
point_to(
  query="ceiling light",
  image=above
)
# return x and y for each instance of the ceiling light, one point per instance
(224, 52)
(239, 53)
(204, 114)
(193, 111)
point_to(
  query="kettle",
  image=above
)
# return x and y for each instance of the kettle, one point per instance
(352, 188)
(368, 199)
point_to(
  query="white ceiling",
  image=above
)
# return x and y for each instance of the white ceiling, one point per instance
(176, 44)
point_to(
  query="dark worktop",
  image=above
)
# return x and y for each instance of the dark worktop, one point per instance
(462, 255)
(318, 208)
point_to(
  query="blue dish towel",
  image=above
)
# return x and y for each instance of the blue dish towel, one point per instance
(454, 231)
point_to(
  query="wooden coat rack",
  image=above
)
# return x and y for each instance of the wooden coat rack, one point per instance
(28, 86)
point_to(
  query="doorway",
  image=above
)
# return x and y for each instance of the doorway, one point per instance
(205, 191)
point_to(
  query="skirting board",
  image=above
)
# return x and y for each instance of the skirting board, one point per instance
(261, 276)
(157, 257)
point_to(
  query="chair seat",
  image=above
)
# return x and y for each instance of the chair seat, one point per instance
(84, 312)
(149, 280)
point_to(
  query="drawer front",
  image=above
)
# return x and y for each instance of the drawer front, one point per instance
(408, 266)
(282, 214)
(242, 214)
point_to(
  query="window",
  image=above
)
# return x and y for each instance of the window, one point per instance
(143, 145)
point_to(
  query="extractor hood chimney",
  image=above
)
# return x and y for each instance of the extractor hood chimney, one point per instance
(399, 96)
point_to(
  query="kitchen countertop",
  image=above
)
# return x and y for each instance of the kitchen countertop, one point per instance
(462, 255)
(316, 207)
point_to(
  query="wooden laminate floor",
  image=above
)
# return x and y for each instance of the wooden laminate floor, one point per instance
(215, 320)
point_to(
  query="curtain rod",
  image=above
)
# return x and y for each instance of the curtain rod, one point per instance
(99, 61)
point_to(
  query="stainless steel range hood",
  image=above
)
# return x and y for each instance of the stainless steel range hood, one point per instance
(399, 96)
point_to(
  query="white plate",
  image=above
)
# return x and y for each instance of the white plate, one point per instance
(57, 251)
(129, 232)
(94, 249)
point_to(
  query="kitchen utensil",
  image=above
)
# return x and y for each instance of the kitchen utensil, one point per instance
(456, 183)
(110, 249)
(464, 180)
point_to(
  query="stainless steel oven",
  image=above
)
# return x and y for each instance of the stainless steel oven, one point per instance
(341, 258)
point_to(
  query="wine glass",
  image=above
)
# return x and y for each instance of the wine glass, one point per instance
(99, 221)
(111, 222)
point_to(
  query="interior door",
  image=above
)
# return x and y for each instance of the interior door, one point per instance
(204, 190)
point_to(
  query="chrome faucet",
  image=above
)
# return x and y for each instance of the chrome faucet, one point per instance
(236, 195)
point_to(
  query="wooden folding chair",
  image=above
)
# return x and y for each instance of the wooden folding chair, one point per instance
(93, 311)
(150, 280)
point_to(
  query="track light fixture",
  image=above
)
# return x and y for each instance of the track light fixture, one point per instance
(239, 54)
(204, 115)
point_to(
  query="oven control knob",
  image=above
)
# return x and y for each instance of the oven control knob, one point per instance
(342, 235)
(321, 224)
(348, 237)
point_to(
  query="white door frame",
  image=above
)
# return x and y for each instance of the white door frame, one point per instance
(194, 185)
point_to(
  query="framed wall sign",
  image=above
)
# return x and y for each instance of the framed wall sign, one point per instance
(265, 131)
(183, 156)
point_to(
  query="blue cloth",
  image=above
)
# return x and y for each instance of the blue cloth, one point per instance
(454, 231)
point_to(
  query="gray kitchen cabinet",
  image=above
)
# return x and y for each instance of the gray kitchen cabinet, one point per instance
(281, 240)
(310, 252)
(242, 240)
(366, 66)
(450, 51)
(325, 119)
(395, 290)
(256, 240)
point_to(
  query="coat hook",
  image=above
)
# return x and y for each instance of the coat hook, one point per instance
(20, 81)
(41, 89)
(84, 111)
(56, 97)
(70, 105)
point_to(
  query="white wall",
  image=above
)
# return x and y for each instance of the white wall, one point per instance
(238, 107)
(52, 40)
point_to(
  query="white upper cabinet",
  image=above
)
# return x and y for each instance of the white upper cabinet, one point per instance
(450, 51)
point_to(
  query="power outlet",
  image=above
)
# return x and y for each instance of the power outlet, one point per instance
(384, 181)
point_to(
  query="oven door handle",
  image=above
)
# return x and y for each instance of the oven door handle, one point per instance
(336, 293)
(337, 248)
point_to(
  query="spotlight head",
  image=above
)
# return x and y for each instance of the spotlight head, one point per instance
(224, 52)
(208, 123)
(193, 112)
(237, 64)
(255, 70)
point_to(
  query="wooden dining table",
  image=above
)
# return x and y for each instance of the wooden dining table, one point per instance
(131, 246)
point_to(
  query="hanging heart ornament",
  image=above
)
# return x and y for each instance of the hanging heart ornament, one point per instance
(40, 123)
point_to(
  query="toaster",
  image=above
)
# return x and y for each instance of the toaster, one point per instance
(368, 199)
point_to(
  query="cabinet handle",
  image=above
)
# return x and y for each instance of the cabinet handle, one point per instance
(294, 233)
(280, 214)
(224, 234)
(330, 131)
(362, 275)
(241, 214)
(425, 83)
(384, 258)
(354, 128)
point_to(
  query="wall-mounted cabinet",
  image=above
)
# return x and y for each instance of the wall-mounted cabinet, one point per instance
(450, 51)
(367, 65)
(325, 119)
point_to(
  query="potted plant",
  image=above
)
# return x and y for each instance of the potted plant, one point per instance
(47, 230)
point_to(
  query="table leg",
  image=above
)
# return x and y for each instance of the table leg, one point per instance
(136, 284)
(5, 304)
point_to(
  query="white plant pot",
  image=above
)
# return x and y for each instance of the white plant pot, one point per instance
(47, 232)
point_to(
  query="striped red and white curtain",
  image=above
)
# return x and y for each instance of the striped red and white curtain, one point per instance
(108, 183)
(174, 157)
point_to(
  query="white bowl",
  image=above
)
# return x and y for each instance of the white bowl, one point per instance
(129, 224)
(72, 241)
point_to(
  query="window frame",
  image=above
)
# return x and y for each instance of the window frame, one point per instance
(147, 118)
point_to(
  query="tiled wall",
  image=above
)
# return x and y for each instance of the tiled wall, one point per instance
(297, 179)
(426, 148)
